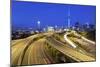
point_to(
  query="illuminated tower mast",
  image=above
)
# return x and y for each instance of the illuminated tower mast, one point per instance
(38, 22)
(68, 17)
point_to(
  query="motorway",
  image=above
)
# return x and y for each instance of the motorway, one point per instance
(27, 52)
(69, 41)
(91, 48)
(37, 54)
(18, 48)
(33, 50)
(68, 51)
(85, 43)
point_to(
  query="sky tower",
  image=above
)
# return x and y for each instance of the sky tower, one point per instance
(68, 17)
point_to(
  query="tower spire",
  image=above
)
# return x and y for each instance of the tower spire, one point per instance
(68, 17)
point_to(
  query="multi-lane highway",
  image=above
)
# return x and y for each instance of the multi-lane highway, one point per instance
(30, 50)
(68, 51)
(33, 50)
(91, 48)
(37, 54)
(85, 43)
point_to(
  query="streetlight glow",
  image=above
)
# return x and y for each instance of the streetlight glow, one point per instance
(38, 22)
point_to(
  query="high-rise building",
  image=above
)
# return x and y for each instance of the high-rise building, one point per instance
(50, 29)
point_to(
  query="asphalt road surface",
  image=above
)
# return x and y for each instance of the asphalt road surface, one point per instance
(27, 52)
(69, 51)
(32, 50)
(91, 48)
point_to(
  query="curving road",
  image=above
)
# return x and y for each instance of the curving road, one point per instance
(69, 42)
(91, 48)
(27, 51)
(72, 53)
(33, 50)
(37, 54)
(84, 43)
(18, 48)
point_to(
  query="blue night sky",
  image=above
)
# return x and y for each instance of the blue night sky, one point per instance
(26, 14)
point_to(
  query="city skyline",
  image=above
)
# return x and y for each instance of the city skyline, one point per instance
(51, 33)
(27, 14)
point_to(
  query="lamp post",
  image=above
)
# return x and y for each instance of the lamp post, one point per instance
(38, 22)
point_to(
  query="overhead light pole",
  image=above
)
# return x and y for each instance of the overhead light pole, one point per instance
(38, 22)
